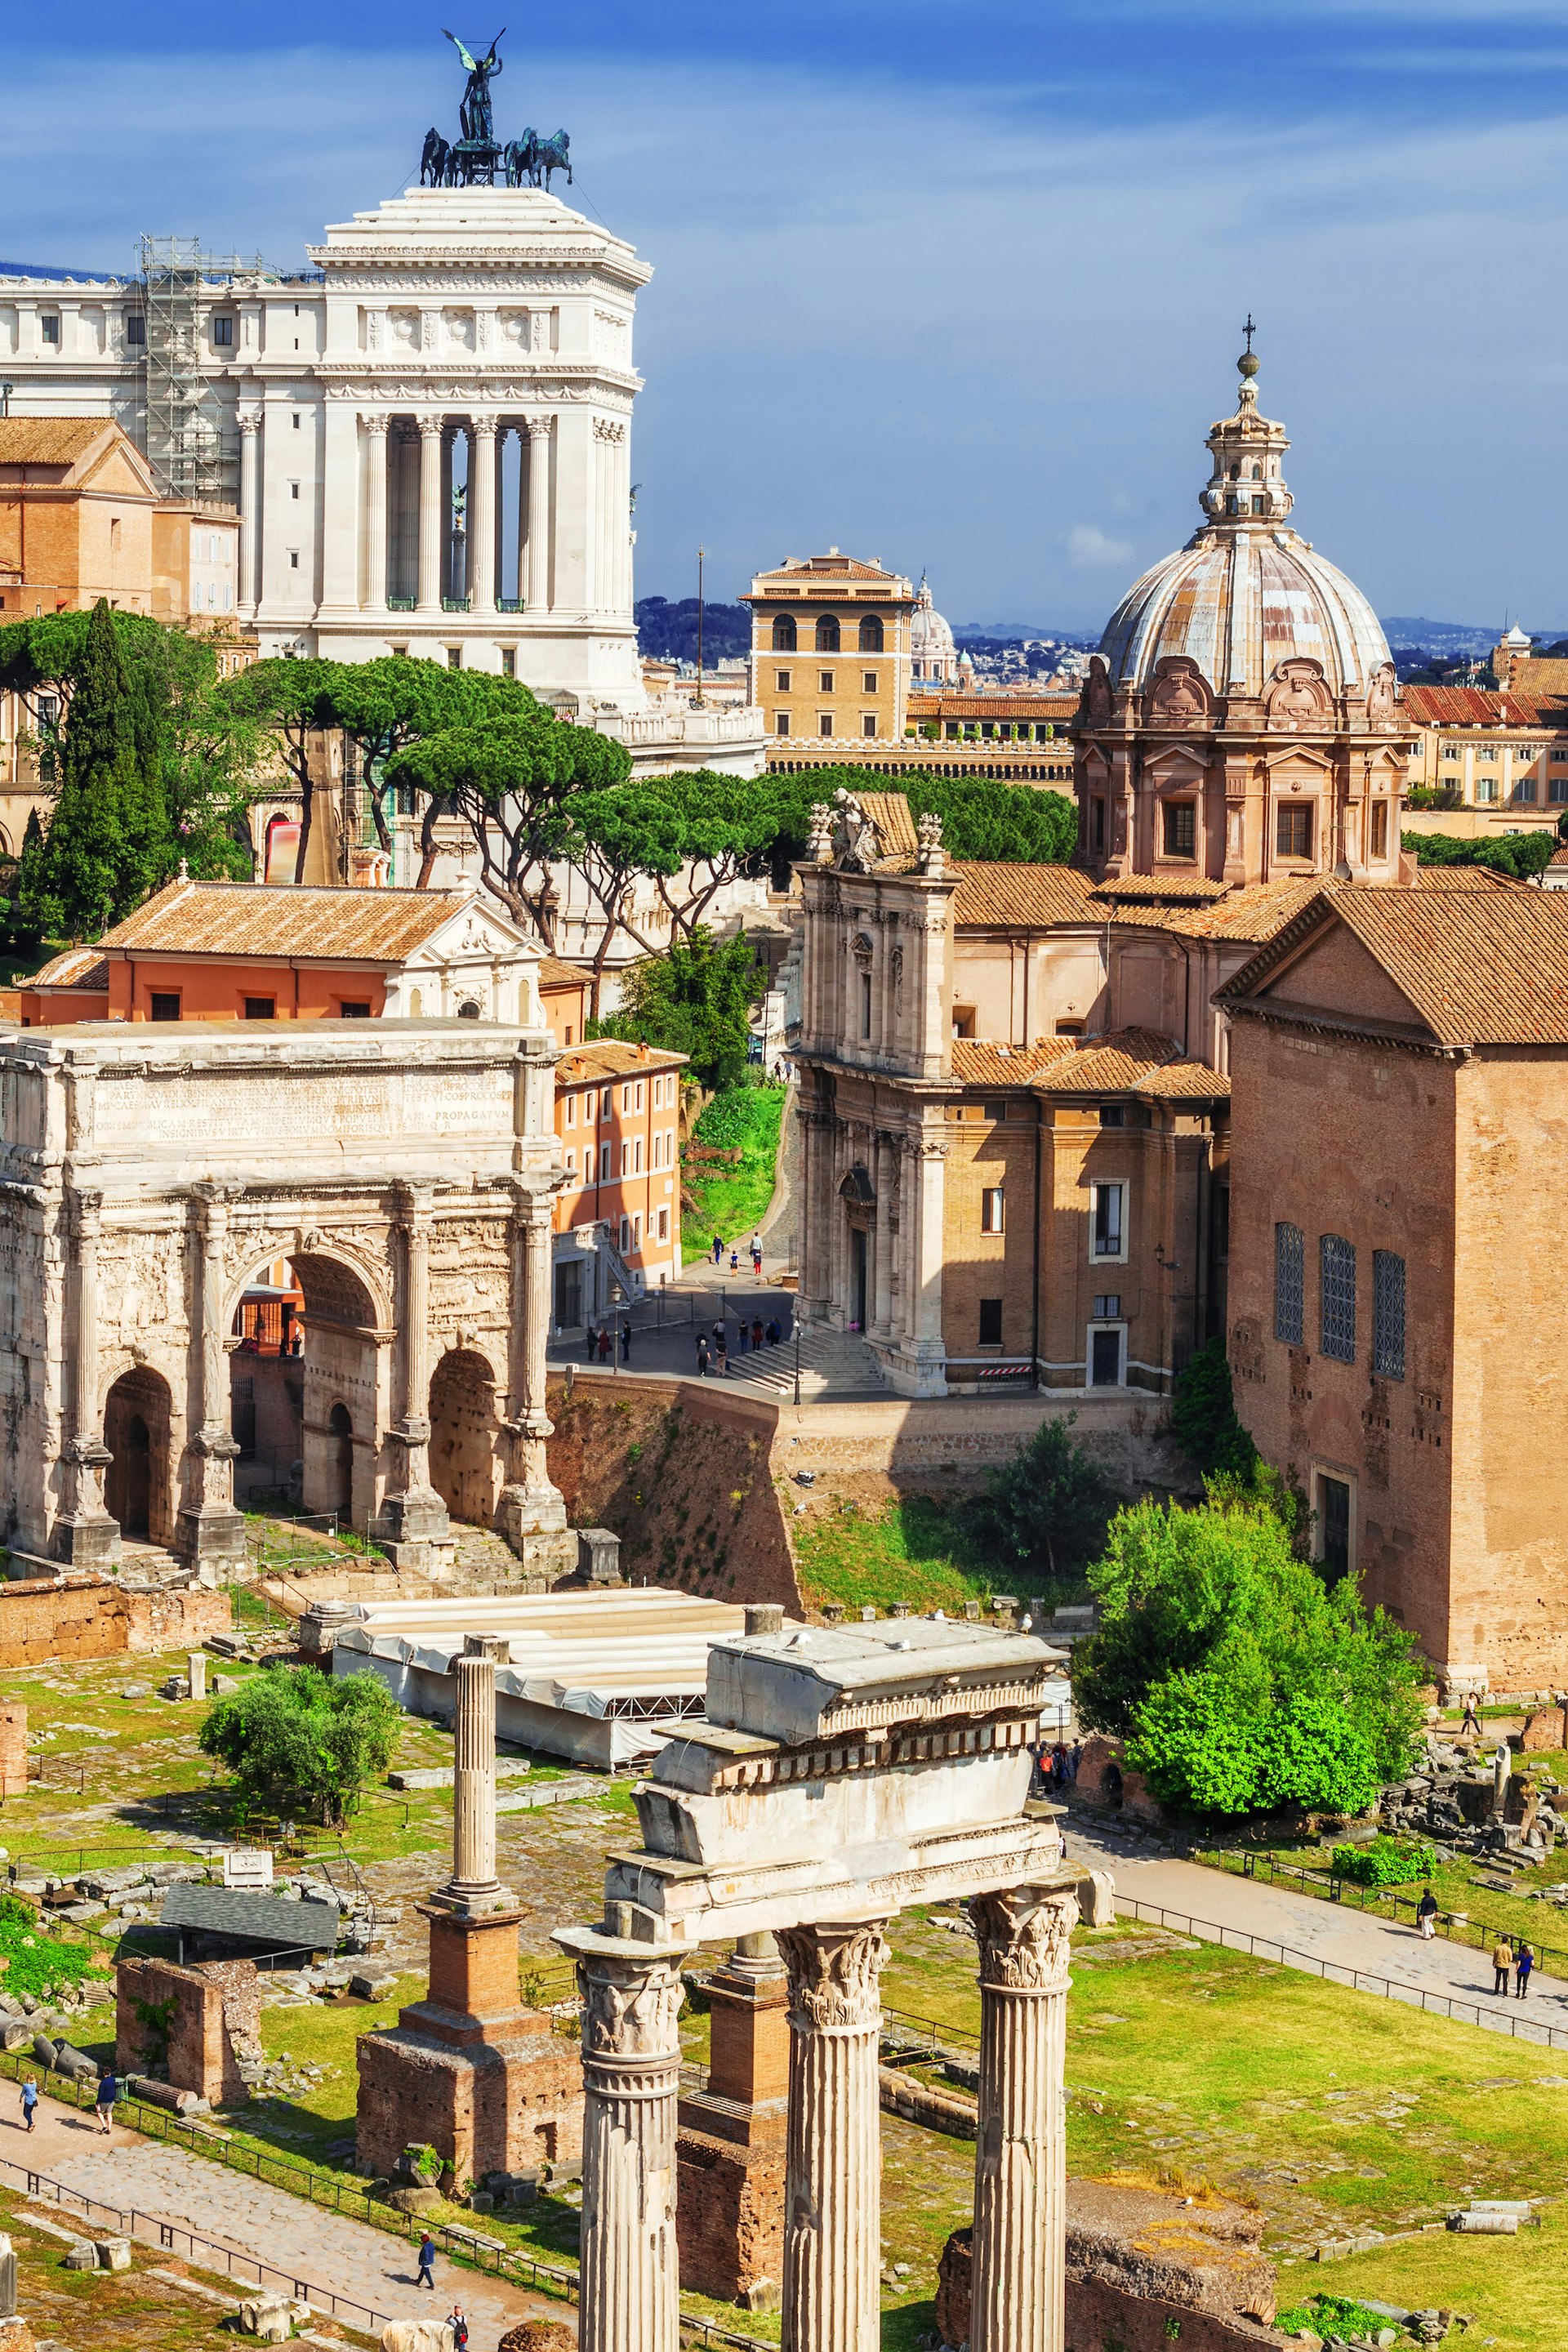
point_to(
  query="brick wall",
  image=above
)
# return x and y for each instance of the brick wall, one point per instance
(13, 1750)
(487, 2107)
(93, 1617)
(206, 2018)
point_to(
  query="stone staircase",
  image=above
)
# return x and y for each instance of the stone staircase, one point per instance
(833, 1364)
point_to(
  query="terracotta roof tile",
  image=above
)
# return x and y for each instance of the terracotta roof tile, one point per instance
(612, 1057)
(1533, 700)
(49, 440)
(1466, 878)
(1478, 966)
(977, 1063)
(1131, 1061)
(1175, 888)
(240, 919)
(554, 975)
(1019, 704)
(889, 812)
(76, 967)
(1019, 898)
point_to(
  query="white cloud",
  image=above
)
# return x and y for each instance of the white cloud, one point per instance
(1089, 548)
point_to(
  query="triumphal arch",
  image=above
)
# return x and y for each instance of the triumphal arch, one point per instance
(404, 1171)
(841, 1775)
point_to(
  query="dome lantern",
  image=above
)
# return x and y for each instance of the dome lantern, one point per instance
(1246, 485)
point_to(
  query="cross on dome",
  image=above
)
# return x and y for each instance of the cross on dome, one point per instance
(1245, 485)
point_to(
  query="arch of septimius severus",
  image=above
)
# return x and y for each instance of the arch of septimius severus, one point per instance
(841, 1775)
(405, 1169)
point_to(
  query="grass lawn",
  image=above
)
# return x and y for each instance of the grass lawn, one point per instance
(915, 1549)
(732, 1200)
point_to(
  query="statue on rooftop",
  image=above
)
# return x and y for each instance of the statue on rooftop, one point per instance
(478, 123)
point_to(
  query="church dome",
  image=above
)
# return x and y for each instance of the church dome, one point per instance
(1246, 593)
(933, 657)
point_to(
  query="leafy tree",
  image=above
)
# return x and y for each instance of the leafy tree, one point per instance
(1202, 1414)
(693, 1000)
(1238, 1680)
(1522, 854)
(108, 839)
(300, 1741)
(280, 698)
(1046, 1508)
(983, 819)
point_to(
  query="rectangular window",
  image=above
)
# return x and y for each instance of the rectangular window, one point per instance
(865, 1004)
(636, 1102)
(604, 1163)
(49, 328)
(868, 723)
(1380, 828)
(570, 1116)
(294, 489)
(1107, 1201)
(223, 334)
(607, 1102)
(509, 661)
(1108, 1306)
(824, 723)
(1105, 1360)
(626, 1098)
(780, 722)
(664, 1224)
(260, 1008)
(135, 331)
(990, 1323)
(1291, 1285)
(293, 559)
(625, 1159)
(1557, 789)
(825, 681)
(868, 681)
(1450, 750)
(781, 680)
(1293, 831)
(1486, 751)
(991, 1209)
(1334, 1528)
(1388, 1315)
(636, 1156)
(294, 420)
(454, 658)
(626, 1234)
(1485, 791)
(1337, 1277)
(636, 1231)
(165, 1007)
(1181, 828)
(1525, 789)
(1097, 825)
(353, 1012)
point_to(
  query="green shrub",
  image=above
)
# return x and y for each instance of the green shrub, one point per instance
(1391, 1861)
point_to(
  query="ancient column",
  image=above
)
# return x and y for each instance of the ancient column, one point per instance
(84, 1533)
(430, 532)
(1020, 2154)
(630, 2290)
(413, 1517)
(833, 2200)
(250, 512)
(539, 429)
(375, 591)
(210, 1532)
(482, 516)
(473, 1884)
(530, 1508)
(884, 1148)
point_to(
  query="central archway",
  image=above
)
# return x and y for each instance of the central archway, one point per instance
(464, 1469)
(136, 1487)
(305, 1372)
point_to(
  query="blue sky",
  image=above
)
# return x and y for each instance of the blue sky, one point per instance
(956, 287)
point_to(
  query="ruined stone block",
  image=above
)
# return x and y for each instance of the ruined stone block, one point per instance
(199, 2026)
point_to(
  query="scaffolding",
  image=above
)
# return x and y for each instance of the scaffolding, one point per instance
(182, 431)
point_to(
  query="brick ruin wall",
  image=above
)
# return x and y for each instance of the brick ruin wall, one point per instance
(729, 2215)
(489, 2108)
(94, 1617)
(193, 2025)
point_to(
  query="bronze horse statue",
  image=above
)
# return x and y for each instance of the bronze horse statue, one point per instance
(531, 160)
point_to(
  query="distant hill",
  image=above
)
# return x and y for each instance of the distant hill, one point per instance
(1440, 636)
(669, 631)
(1013, 633)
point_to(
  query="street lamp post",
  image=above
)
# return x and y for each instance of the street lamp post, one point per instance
(797, 1359)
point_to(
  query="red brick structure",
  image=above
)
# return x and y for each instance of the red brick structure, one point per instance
(12, 1749)
(193, 2026)
(730, 2151)
(1398, 1284)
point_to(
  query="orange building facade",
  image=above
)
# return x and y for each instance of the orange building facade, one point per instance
(618, 1116)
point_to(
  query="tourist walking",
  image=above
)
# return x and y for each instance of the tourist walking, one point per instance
(734, 1261)
(1502, 1962)
(775, 1331)
(591, 1341)
(717, 1251)
(627, 1341)
(757, 1256)
(1523, 1961)
(702, 1355)
(756, 1333)
(1426, 1916)
(107, 2092)
(30, 2102)
(459, 2327)
(1472, 1719)
(721, 1353)
(740, 1337)
(427, 2263)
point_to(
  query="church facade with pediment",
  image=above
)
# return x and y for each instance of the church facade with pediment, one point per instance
(1239, 723)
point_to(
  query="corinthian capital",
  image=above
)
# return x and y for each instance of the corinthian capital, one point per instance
(835, 1973)
(1026, 1938)
(629, 2007)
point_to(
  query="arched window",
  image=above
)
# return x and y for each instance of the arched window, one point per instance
(1258, 473)
(784, 633)
(827, 633)
(871, 634)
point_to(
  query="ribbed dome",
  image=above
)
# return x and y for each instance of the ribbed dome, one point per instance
(1247, 593)
(932, 652)
(1238, 599)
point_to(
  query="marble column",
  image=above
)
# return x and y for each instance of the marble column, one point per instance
(430, 533)
(482, 516)
(1020, 2155)
(250, 510)
(340, 507)
(210, 1532)
(473, 1885)
(412, 1517)
(833, 2184)
(630, 2287)
(85, 1535)
(540, 430)
(529, 1504)
(373, 594)
(882, 1270)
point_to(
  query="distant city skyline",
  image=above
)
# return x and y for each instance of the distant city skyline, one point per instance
(967, 301)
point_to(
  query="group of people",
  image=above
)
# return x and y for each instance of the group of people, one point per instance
(1512, 1955)
(1055, 1767)
(759, 1334)
(735, 1254)
(601, 1345)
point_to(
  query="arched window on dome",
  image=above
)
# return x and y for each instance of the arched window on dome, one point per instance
(827, 633)
(871, 634)
(1258, 473)
(784, 634)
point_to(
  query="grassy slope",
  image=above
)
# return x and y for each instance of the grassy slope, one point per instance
(914, 1550)
(731, 1201)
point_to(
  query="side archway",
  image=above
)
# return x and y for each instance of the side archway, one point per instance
(466, 1469)
(137, 1414)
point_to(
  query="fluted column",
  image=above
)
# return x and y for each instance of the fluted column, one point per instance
(430, 469)
(529, 1504)
(413, 1515)
(375, 591)
(210, 1532)
(85, 1533)
(833, 2185)
(250, 512)
(482, 516)
(539, 429)
(630, 2289)
(474, 1885)
(1020, 2155)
